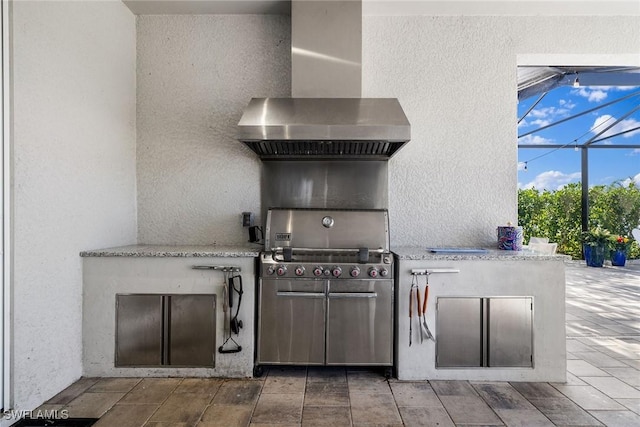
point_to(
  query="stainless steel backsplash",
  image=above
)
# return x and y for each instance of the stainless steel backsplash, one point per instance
(324, 184)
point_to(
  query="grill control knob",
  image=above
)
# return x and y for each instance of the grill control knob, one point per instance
(384, 272)
(327, 272)
(373, 272)
(317, 271)
(355, 271)
(281, 270)
(336, 271)
(299, 270)
(271, 270)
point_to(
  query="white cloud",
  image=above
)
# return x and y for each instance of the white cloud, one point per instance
(540, 122)
(601, 122)
(543, 112)
(566, 103)
(534, 140)
(606, 120)
(551, 180)
(635, 179)
(545, 115)
(592, 95)
(635, 152)
(549, 112)
(612, 88)
(521, 166)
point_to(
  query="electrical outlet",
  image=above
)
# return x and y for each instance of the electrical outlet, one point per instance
(247, 219)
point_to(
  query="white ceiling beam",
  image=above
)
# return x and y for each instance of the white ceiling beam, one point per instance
(399, 7)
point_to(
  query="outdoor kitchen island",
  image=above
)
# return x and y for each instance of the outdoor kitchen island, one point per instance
(168, 305)
(495, 316)
(473, 291)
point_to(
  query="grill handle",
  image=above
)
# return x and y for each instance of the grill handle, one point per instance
(300, 294)
(329, 250)
(353, 295)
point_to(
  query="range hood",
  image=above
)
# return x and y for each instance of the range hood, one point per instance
(325, 118)
(320, 128)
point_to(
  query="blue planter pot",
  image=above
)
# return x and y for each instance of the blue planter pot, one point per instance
(594, 255)
(618, 258)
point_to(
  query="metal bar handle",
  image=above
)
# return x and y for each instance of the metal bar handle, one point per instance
(331, 251)
(223, 268)
(300, 294)
(427, 271)
(353, 295)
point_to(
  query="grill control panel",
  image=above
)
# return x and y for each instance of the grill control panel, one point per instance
(281, 269)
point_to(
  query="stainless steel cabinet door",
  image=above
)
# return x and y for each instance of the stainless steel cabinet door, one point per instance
(192, 330)
(510, 338)
(459, 332)
(291, 326)
(155, 330)
(360, 322)
(138, 330)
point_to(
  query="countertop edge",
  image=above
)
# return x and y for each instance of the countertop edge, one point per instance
(178, 251)
(417, 254)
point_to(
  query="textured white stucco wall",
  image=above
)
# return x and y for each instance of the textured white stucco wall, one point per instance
(73, 175)
(196, 73)
(456, 181)
(453, 184)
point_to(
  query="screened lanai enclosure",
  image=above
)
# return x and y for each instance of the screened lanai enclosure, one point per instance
(606, 88)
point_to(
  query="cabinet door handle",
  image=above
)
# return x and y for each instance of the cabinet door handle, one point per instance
(353, 295)
(300, 294)
(484, 313)
(166, 329)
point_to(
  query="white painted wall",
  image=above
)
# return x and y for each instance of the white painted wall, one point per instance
(195, 76)
(74, 175)
(456, 181)
(453, 184)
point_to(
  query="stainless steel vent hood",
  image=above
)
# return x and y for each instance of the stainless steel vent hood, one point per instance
(326, 118)
(315, 128)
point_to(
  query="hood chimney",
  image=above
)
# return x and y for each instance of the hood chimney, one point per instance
(326, 49)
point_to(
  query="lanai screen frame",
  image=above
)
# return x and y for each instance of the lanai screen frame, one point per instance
(539, 80)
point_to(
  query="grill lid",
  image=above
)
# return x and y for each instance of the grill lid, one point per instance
(335, 128)
(339, 231)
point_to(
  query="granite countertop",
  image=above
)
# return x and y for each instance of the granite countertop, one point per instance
(231, 251)
(421, 253)
(253, 250)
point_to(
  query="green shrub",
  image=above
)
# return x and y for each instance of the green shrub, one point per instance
(557, 214)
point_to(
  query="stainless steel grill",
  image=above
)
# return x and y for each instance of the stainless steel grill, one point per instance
(326, 289)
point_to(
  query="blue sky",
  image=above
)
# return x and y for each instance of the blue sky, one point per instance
(555, 169)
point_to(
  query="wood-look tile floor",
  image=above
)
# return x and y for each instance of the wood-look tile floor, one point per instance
(602, 388)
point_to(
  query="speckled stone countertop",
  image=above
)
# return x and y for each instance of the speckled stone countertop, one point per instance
(239, 251)
(417, 253)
